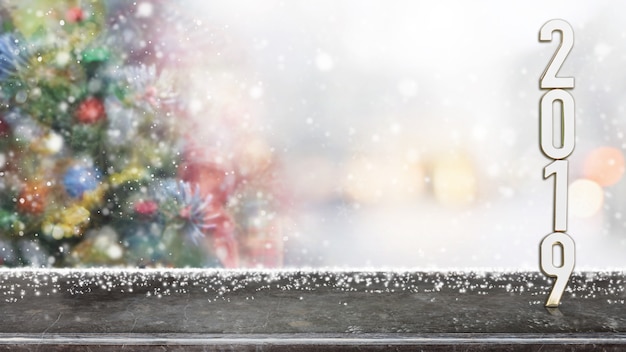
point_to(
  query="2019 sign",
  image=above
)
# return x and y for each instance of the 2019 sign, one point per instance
(557, 139)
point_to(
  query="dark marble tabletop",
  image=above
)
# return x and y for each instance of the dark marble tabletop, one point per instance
(191, 310)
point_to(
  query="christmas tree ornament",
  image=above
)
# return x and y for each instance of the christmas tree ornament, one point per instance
(32, 198)
(74, 15)
(53, 142)
(96, 55)
(146, 207)
(90, 110)
(80, 179)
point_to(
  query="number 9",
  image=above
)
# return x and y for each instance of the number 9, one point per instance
(562, 272)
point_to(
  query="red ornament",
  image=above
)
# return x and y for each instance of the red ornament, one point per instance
(74, 14)
(90, 110)
(146, 207)
(32, 198)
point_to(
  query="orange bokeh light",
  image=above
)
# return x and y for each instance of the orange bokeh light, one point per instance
(604, 165)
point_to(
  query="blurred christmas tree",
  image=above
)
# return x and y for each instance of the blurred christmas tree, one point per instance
(98, 165)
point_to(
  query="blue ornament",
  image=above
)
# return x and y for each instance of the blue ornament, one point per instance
(79, 179)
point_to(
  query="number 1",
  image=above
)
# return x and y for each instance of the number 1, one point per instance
(559, 168)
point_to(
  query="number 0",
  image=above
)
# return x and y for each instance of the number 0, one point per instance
(567, 118)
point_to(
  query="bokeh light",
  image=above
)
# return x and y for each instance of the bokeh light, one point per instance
(604, 165)
(375, 179)
(454, 180)
(585, 198)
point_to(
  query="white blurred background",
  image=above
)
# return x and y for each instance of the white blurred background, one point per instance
(408, 130)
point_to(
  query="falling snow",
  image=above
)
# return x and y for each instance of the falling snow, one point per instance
(222, 285)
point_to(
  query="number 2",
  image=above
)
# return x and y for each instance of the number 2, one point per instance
(549, 78)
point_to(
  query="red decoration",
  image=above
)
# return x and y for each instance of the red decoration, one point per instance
(146, 207)
(31, 199)
(75, 14)
(212, 178)
(90, 110)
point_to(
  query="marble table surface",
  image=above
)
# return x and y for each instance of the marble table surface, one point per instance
(197, 310)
